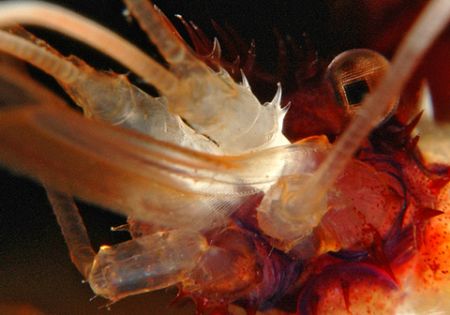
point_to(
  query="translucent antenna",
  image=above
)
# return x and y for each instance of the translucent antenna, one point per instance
(212, 103)
(155, 24)
(301, 201)
(102, 96)
(39, 57)
(414, 46)
(71, 24)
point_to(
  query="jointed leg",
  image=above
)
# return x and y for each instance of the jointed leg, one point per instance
(73, 230)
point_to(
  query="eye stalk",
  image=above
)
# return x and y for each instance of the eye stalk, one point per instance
(355, 73)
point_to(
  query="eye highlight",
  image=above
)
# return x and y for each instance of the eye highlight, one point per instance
(355, 73)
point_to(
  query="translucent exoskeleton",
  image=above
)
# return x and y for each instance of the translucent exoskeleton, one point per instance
(184, 165)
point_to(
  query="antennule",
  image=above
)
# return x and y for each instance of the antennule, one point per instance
(69, 23)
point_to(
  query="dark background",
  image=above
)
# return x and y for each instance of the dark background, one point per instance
(35, 268)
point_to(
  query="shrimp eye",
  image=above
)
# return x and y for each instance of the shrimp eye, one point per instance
(355, 91)
(355, 73)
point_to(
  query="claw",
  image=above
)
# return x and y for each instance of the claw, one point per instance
(146, 264)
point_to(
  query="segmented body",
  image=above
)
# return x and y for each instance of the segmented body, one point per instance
(368, 259)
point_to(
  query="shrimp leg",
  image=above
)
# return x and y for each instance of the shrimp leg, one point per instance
(73, 230)
(210, 186)
(139, 265)
(147, 263)
(212, 103)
